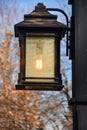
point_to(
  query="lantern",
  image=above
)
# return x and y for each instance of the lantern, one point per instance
(39, 37)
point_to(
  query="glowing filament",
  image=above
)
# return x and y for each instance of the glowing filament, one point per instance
(39, 64)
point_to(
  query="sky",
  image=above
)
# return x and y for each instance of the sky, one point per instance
(27, 6)
(49, 3)
(62, 4)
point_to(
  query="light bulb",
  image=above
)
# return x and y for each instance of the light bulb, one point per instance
(39, 63)
(39, 56)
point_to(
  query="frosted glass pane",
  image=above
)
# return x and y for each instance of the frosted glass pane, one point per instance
(40, 56)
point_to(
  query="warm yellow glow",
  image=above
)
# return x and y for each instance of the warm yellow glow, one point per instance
(40, 57)
(39, 64)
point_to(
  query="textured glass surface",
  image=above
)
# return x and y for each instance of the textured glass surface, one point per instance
(40, 56)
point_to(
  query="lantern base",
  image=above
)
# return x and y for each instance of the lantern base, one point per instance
(40, 86)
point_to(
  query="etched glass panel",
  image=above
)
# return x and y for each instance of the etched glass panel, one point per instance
(40, 56)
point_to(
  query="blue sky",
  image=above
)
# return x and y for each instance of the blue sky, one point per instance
(49, 3)
(29, 5)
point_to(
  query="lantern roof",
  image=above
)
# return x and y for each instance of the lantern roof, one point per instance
(40, 12)
(39, 20)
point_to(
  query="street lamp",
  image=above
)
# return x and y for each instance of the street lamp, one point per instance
(39, 37)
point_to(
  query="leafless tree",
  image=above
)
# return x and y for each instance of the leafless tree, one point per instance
(28, 110)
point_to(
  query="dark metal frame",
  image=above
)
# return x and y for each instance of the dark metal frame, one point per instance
(22, 33)
(67, 23)
(22, 83)
(69, 33)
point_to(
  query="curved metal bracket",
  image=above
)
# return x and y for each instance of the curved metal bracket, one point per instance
(68, 46)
